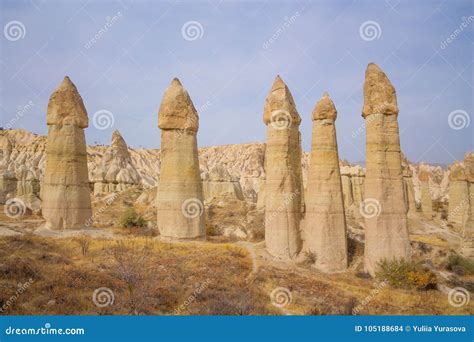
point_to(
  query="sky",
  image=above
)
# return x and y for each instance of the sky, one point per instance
(122, 55)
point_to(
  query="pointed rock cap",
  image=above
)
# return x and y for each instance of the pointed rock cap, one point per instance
(280, 106)
(66, 107)
(424, 172)
(325, 109)
(177, 111)
(119, 144)
(379, 94)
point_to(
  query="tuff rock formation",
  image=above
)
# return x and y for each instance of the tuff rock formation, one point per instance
(65, 189)
(283, 183)
(386, 233)
(116, 171)
(459, 206)
(408, 187)
(468, 232)
(325, 222)
(426, 200)
(180, 195)
(218, 183)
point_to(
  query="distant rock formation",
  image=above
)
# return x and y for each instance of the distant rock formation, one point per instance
(65, 190)
(426, 199)
(459, 203)
(283, 183)
(116, 172)
(180, 200)
(385, 211)
(325, 222)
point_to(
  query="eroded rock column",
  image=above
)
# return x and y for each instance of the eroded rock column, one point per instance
(468, 232)
(283, 182)
(180, 195)
(65, 190)
(426, 201)
(325, 223)
(459, 206)
(386, 233)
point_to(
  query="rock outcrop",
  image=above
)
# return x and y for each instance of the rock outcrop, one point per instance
(386, 232)
(426, 200)
(116, 171)
(459, 206)
(325, 222)
(180, 195)
(468, 232)
(65, 189)
(219, 184)
(408, 187)
(283, 183)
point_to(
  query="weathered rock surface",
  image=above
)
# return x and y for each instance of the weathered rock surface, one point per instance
(386, 233)
(468, 232)
(65, 190)
(325, 221)
(426, 198)
(116, 171)
(283, 183)
(459, 204)
(180, 200)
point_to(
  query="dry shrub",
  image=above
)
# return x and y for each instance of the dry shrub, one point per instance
(406, 274)
(84, 242)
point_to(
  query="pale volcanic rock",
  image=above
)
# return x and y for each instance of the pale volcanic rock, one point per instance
(408, 187)
(468, 232)
(180, 195)
(325, 222)
(116, 171)
(459, 206)
(426, 198)
(283, 183)
(65, 190)
(386, 232)
(218, 183)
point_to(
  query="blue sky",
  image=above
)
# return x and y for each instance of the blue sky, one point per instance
(229, 66)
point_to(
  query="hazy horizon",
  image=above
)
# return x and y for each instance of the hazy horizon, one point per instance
(122, 55)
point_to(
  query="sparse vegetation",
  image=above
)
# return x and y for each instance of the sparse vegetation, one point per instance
(84, 243)
(131, 219)
(459, 265)
(406, 274)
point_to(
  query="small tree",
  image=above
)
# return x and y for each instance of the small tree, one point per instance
(131, 219)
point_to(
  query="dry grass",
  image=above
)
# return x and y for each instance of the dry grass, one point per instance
(146, 277)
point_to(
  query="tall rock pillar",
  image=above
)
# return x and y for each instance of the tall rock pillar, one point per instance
(426, 201)
(283, 184)
(65, 190)
(386, 233)
(180, 195)
(325, 222)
